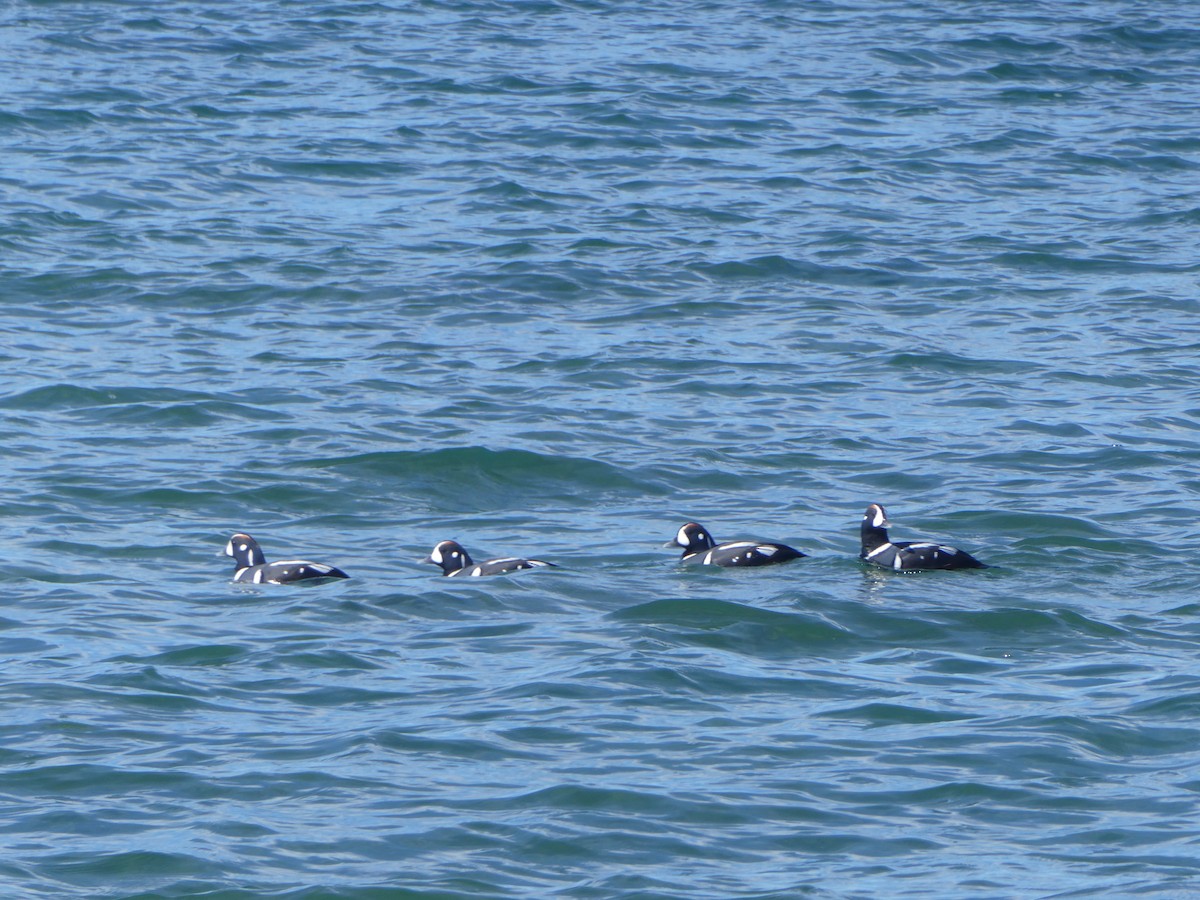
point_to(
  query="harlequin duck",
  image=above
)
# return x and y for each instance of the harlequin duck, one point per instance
(454, 560)
(907, 555)
(699, 547)
(252, 565)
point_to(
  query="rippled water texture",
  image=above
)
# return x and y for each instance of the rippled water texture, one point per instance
(553, 278)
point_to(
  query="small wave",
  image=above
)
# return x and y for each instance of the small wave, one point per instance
(203, 655)
(720, 624)
(878, 714)
(441, 749)
(952, 363)
(773, 267)
(1150, 40)
(73, 396)
(77, 780)
(93, 868)
(480, 477)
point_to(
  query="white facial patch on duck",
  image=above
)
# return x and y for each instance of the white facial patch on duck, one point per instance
(880, 518)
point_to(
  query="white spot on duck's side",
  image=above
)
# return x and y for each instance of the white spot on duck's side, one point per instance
(258, 577)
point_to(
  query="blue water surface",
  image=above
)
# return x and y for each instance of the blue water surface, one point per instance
(552, 278)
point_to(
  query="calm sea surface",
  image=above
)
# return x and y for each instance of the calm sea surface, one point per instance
(553, 278)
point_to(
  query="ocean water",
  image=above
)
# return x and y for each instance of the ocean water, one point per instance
(552, 277)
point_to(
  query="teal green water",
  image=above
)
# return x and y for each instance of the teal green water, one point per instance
(551, 279)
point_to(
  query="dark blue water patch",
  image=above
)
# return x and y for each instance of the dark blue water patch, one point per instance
(337, 169)
(473, 632)
(216, 503)
(949, 363)
(17, 646)
(1007, 44)
(165, 415)
(681, 269)
(838, 150)
(199, 655)
(1152, 162)
(104, 871)
(879, 715)
(1062, 74)
(653, 685)
(330, 697)
(1175, 708)
(146, 684)
(1050, 429)
(1109, 737)
(64, 822)
(777, 267)
(424, 747)
(56, 576)
(722, 625)
(477, 477)
(104, 551)
(1145, 39)
(72, 781)
(1081, 461)
(43, 120)
(329, 660)
(635, 810)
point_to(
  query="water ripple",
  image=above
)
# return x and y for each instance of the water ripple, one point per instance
(554, 278)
